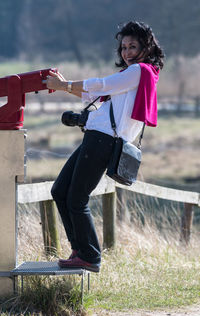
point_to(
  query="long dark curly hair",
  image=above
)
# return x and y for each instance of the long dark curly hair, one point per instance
(143, 33)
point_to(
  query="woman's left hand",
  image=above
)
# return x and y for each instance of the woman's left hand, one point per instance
(55, 81)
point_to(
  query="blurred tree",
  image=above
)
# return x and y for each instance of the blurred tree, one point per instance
(26, 43)
(66, 29)
(8, 27)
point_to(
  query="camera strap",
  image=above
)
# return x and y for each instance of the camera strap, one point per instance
(90, 104)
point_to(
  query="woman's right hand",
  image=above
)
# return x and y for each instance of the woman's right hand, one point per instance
(56, 81)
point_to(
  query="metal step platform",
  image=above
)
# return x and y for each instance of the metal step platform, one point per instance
(45, 268)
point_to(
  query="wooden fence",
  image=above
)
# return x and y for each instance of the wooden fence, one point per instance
(175, 105)
(40, 192)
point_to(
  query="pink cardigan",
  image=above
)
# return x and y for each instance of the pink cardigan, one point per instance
(145, 105)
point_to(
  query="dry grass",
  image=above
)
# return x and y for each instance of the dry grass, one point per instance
(150, 268)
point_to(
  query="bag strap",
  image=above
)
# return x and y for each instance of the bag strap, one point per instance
(113, 125)
(112, 120)
(141, 136)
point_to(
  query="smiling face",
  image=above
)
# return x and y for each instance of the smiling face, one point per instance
(130, 50)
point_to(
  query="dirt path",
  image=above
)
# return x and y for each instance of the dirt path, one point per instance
(188, 311)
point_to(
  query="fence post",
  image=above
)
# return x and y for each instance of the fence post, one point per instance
(49, 227)
(109, 220)
(123, 213)
(186, 222)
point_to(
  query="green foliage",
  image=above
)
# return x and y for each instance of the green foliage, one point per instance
(9, 15)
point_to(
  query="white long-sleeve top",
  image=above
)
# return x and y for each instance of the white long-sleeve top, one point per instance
(122, 87)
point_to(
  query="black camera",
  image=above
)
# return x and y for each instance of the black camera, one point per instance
(70, 118)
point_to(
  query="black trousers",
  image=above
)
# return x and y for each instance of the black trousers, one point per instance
(71, 191)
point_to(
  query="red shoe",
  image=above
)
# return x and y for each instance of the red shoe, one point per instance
(77, 262)
(73, 254)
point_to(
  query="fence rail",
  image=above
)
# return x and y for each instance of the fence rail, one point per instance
(40, 192)
(36, 192)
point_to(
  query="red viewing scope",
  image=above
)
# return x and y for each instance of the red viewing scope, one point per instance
(15, 87)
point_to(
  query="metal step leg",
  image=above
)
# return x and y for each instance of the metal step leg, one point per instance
(88, 282)
(82, 288)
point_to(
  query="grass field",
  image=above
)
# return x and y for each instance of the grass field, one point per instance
(150, 268)
(170, 151)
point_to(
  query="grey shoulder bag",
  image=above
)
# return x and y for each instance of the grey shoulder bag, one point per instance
(126, 158)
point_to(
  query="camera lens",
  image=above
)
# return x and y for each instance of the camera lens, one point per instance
(70, 118)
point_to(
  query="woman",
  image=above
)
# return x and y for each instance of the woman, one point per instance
(133, 95)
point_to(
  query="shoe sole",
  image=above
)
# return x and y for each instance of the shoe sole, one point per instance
(92, 269)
